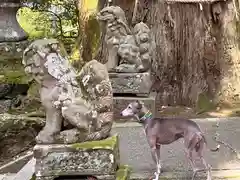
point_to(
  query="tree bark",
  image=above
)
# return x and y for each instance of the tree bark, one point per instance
(197, 52)
(226, 30)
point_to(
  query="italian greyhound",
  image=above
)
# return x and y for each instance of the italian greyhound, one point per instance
(163, 131)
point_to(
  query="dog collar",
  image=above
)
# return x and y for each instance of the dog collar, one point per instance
(146, 116)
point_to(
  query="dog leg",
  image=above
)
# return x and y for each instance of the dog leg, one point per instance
(190, 160)
(159, 167)
(155, 157)
(206, 165)
(208, 168)
(154, 152)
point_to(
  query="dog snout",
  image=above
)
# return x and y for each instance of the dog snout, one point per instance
(121, 114)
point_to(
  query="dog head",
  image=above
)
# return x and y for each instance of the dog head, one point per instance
(133, 109)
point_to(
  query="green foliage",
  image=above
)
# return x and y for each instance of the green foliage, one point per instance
(36, 24)
(63, 12)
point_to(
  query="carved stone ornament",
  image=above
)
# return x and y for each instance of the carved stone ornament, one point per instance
(129, 51)
(78, 106)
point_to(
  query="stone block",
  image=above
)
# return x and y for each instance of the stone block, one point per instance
(95, 158)
(131, 83)
(12, 50)
(121, 102)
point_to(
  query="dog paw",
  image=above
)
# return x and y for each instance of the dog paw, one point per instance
(156, 176)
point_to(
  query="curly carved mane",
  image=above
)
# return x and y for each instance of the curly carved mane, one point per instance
(46, 59)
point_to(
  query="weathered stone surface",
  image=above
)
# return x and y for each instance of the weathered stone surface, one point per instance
(121, 102)
(15, 128)
(129, 51)
(10, 30)
(131, 83)
(81, 100)
(88, 158)
(12, 50)
(12, 71)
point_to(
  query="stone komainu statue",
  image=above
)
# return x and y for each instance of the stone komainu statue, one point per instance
(78, 106)
(129, 51)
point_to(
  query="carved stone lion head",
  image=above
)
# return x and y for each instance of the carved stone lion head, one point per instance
(111, 14)
(45, 58)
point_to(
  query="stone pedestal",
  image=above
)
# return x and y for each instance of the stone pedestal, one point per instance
(131, 83)
(96, 158)
(128, 87)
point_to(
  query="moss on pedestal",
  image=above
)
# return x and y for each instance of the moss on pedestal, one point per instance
(12, 72)
(123, 173)
(108, 143)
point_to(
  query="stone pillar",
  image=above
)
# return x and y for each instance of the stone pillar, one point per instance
(10, 30)
(13, 40)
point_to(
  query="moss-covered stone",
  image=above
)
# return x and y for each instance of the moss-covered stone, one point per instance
(123, 173)
(12, 71)
(33, 177)
(17, 134)
(13, 77)
(108, 143)
(204, 103)
(12, 50)
(33, 91)
(98, 158)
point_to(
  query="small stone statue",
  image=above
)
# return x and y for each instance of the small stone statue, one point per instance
(129, 51)
(78, 106)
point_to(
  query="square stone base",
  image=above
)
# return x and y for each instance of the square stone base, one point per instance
(95, 158)
(131, 83)
(121, 102)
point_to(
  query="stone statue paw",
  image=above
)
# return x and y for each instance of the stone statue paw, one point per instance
(119, 69)
(44, 137)
(141, 68)
(126, 68)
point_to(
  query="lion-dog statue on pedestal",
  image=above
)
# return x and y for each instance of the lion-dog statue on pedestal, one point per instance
(78, 105)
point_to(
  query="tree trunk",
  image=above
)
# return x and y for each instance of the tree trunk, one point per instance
(226, 30)
(197, 52)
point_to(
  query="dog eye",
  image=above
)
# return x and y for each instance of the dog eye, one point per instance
(129, 107)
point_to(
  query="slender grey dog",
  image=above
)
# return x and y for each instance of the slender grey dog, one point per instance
(163, 131)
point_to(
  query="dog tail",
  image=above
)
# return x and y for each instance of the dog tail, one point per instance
(211, 149)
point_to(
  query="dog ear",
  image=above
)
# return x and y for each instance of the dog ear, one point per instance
(140, 104)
